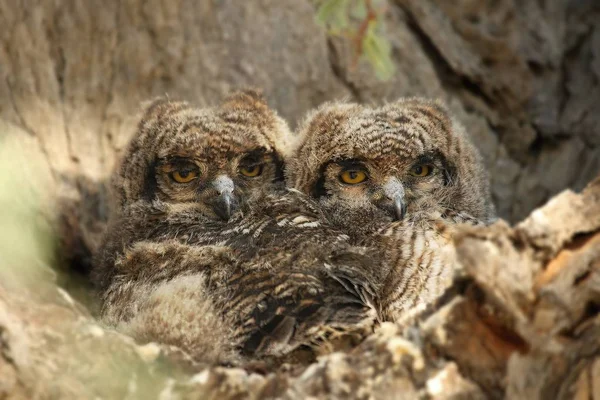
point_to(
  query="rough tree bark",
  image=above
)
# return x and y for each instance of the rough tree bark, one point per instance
(524, 77)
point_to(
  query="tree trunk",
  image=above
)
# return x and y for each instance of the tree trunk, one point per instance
(524, 78)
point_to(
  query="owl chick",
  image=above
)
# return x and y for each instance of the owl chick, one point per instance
(215, 158)
(373, 165)
(204, 251)
(396, 178)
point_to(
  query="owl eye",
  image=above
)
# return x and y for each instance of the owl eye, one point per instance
(251, 171)
(353, 177)
(184, 175)
(421, 170)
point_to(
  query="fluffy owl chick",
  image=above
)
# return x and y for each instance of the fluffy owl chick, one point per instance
(396, 178)
(402, 160)
(181, 266)
(214, 158)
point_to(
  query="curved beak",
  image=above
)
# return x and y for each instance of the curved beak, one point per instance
(226, 203)
(400, 207)
(394, 192)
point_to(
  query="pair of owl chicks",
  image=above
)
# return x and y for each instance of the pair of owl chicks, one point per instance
(234, 239)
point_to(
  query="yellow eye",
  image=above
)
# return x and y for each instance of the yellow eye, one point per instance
(421, 170)
(252, 171)
(184, 176)
(352, 177)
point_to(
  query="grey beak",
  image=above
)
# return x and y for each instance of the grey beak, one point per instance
(226, 203)
(394, 191)
(400, 207)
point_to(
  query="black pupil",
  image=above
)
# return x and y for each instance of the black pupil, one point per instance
(252, 169)
(418, 170)
(353, 174)
(184, 174)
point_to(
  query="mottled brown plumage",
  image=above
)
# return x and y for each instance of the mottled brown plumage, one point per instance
(418, 263)
(242, 131)
(278, 274)
(263, 279)
(389, 144)
(215, 144)
(395, 178)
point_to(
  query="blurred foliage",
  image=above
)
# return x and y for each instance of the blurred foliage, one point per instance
(26, 241)
(362, 22)
(79, 358)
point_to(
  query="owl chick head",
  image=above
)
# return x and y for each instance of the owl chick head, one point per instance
(401, 159)
(217, 157)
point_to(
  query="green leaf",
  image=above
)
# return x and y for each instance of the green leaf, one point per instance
(344, 17)
(333, 14)
(377, 51)
(358, 10)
